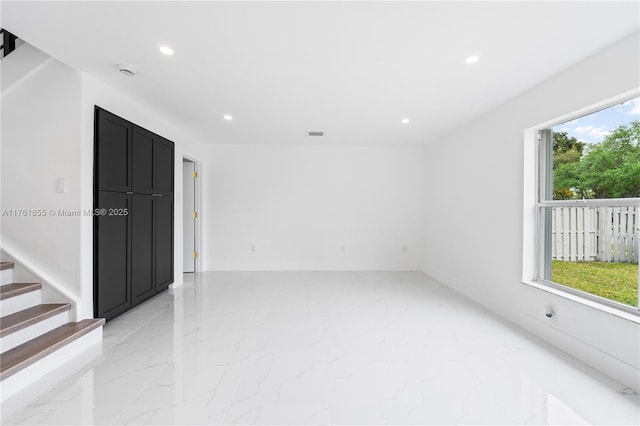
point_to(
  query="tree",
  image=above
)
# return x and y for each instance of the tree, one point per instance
(609, 169)
(567, 151)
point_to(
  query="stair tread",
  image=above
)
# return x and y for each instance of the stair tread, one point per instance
(16, 289)
(6, 265)
(22, 319)
(34, 350)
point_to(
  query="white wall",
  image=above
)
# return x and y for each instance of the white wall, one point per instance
(475, 238)
(300, 205)
(41, 142)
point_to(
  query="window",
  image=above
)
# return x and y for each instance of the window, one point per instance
(588, 205)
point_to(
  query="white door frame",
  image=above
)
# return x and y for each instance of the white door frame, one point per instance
(196, 196)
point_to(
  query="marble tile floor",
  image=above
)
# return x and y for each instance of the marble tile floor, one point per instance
(325, 348)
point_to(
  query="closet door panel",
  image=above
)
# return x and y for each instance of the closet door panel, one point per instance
(163, 167)
(112, 290)
(163, 244)
(142, 284)
(113, 151)
(142, 161)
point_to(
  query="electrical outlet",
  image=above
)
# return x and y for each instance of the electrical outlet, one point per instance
(253, 247)
(341, 249)
(551, 313)
(405, 249)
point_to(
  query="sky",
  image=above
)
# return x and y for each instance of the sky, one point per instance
(593, 128)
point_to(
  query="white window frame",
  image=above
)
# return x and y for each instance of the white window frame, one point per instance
(533, 232)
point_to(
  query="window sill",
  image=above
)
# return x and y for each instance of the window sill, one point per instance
(587, 302)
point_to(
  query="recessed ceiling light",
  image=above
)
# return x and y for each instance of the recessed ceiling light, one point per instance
(472, 59)
(227, 117)
(165, 50)
(405, 120)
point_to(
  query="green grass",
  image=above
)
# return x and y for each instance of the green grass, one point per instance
(615, 281)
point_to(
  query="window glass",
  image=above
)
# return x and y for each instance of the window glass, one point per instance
(597, 155)
(589, 208)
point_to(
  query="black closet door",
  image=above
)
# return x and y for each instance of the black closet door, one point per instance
(142, 161)
(163, 232)
(113, 152)
(142, 284)
(163, 167)
(112, 272)
(133, 253)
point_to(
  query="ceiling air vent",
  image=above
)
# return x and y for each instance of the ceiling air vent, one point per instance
(127, 70)
(315, 133)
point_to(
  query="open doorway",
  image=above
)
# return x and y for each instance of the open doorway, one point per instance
(189, 215)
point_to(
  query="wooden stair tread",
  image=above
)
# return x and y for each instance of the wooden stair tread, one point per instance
(6, 265)
(16, 289)
(34, 350)
(22, 319)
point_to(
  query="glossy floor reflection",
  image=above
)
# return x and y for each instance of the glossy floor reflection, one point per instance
(326, 348)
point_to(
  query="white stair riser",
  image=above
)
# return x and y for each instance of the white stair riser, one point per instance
(34, 372)
(14, 304)
(31, 332)
(7, 276)
(79, 364)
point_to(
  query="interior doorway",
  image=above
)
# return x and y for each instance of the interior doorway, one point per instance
(189, 215)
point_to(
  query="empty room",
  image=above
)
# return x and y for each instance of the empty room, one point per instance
(320, 212)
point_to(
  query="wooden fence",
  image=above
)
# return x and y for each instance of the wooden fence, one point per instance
(607, 234)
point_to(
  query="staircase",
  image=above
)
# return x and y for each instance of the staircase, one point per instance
(8, 43)
(36, 338)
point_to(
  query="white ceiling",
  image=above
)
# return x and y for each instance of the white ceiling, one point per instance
(350, 69)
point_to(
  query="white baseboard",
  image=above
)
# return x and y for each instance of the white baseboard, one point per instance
(309, 267)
